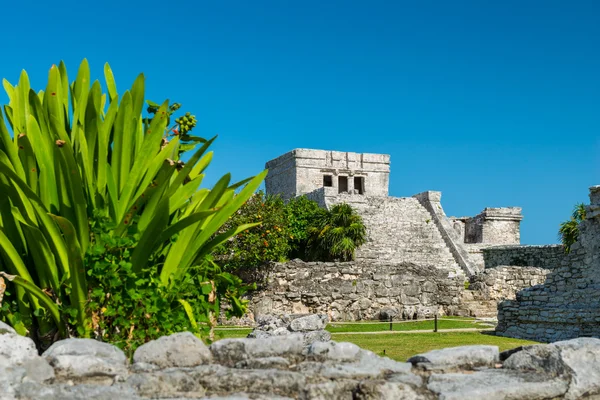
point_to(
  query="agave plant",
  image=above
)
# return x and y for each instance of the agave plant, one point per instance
(74, 152)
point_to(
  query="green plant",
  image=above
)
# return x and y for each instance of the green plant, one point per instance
(568, 232)
(337, 235)
(268, 241)
(76, 154)
(301, 213)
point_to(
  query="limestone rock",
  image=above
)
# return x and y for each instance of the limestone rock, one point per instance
(35, 391)
(231, 351)
(537, 358)
(496, 385)
(15, 349)
(264, 363)
(86, 358)
(381, 390)
(334, 351)
(182, 349)
(5, 328)
(309, 323)
(274, 382)
(387, 314)
(170, 382)
(316, 336)
(332, 390)
(465, 357)
(582, 357)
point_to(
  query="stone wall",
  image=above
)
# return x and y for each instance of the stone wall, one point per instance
(284, 368)
(356, 290)
(547, 257)
(567, 304)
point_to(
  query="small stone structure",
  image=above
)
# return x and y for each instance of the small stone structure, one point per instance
(567, 303)
(283, 368)
(303, 171)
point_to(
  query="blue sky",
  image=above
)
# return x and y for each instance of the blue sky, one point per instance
(492, 103)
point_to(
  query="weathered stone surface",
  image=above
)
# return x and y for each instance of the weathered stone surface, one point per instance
(381, 390)
(309, 323)
(316, 336)
(334, 351)
(231, 351)
(496, 385)
(170, 382)
(178, 350)
(464, 357)
(264, 363)
(86, 358)
(15, 349)
(582, 358)
(35, 391)
(282, 368)
(537, 358)
(271, 381)
(566, 304)
(5, 328)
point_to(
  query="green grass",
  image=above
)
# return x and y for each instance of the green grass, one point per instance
(231, 333)
(402, 346)
(405, 345)
(405, 326)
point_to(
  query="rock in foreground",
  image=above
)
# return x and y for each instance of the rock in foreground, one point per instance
(284, 367)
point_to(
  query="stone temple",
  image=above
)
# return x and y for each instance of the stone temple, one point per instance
(418, 262)
(400, 229)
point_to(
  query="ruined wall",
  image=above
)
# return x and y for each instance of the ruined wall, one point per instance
(356, 290)
(549, 256)
(567, 305)
(281, 178)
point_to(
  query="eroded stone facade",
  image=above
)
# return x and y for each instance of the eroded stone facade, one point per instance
(302, 171)
(349, 291)
(567, 304)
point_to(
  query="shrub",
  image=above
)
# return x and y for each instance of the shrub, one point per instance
(337, 235)
(568, 232)
(301, 213)
(269, 241)
(71, 163)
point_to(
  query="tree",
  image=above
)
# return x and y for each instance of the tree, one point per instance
(337, 235)
(301, 213)
(569, 230)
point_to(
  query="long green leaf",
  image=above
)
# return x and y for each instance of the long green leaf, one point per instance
(42, 297)
(77, 278)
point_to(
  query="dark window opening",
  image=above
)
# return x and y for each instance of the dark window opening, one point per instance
(359, 185)
(343, 184)
(327, 181)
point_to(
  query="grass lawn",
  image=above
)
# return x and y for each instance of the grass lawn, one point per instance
(405, 345)
(402, 346)
(405, 326)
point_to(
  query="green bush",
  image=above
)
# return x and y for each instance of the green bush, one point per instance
(568, 232)
(95, 200)
(269, 241)
(337, 235)
(301, 213)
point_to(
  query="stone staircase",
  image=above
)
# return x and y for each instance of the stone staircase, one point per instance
(401, 230)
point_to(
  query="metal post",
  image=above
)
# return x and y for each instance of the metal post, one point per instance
(391, 328)
(435, 323)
